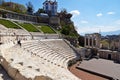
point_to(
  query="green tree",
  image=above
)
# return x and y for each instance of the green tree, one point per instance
(40, 10)
(30, 8)
(65, 31)
(68, 27)
(19, 8)
(15, 7)
(81, 41)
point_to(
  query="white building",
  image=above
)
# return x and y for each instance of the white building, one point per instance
(50, 7)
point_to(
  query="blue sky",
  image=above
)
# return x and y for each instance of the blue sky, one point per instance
(88, 15)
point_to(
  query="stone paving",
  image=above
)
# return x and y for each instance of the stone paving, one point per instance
(102, 66)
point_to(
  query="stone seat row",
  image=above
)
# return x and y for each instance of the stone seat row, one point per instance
(10, 31)
(42, 45)
(48, 54)
(36, 49)
(25, 66)
(60, 46)
(42, 50)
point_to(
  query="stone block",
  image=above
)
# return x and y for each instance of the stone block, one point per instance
(42, 78)
(20, 77)
(4, 63)
(12, 72)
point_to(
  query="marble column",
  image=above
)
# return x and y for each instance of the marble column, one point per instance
(96, 42)
(92, 41)
(88, 41)
(0, 36)
(85, 41)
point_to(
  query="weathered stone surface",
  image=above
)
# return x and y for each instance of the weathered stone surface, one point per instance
(36, 63)
(20, 77)
(42, 78)
(12, 72)
(4, 63)
(54, 20)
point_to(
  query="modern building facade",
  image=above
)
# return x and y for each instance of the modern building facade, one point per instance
(50, 7)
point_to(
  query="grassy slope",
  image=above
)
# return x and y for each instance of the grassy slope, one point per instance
(8, 24)
(28, 27)
(46, 29)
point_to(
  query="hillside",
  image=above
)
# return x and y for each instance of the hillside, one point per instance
(15, 7)
(111, 33)
(67, 25)
(66, 29)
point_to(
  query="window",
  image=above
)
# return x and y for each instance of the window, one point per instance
(46, 3)
(46, 7)
(52, 6)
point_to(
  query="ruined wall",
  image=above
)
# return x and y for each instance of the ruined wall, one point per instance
(54, 20)
(111, 55)
(12, 72)
(15, 74)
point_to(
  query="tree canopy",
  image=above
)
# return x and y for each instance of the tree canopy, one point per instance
(39, 11)
(67, 25)
(15, 7)
(81, 41)
(30, 8)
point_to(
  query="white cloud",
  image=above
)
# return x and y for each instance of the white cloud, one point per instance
(99, 14)
(110, 13)
(93, 29)
(117, 22)
(84, 21)
(75, 13)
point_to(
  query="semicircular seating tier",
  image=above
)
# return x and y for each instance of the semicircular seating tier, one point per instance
(41, 57)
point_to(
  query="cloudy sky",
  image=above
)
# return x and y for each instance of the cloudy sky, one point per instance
(88, 15)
